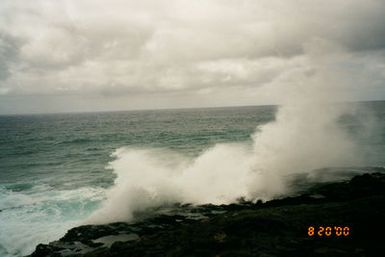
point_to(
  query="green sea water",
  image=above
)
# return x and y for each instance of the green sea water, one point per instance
(53, 166)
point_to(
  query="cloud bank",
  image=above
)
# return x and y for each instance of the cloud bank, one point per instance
(100, 55)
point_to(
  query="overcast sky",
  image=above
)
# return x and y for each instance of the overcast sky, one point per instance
(93, 55)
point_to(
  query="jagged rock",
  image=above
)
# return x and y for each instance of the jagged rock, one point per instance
(275, 228)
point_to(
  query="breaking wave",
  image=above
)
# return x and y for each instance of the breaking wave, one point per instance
(302, 138)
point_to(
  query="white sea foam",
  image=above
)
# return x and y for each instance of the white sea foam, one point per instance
(41, 215)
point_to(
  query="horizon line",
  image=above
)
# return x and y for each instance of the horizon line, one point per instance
(165, 109)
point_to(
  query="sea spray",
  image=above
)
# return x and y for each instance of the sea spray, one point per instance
(304, 136)
(295, 142)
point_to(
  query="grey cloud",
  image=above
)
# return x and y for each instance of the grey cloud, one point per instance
(9, 54)
(214, 48)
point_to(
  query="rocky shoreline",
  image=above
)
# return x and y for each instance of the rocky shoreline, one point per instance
(274, 228)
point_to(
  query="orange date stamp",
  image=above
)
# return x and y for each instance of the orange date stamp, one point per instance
(329, 231)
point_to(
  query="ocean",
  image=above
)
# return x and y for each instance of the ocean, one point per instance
(57, 170)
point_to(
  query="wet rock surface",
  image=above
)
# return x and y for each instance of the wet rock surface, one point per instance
(275, 228)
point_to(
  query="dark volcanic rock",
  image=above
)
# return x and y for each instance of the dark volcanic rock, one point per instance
(275, 228)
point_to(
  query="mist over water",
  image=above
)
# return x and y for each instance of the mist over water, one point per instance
(302, 138)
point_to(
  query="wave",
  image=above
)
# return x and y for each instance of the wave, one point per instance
(302, 138)
(40, 214)
(76, 141)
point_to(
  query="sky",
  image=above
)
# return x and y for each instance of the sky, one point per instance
(94, 55)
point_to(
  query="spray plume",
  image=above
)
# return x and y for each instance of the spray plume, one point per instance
(303, 137)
